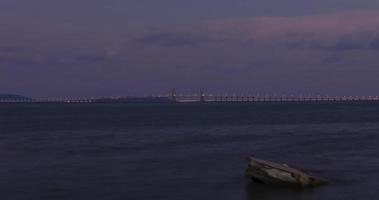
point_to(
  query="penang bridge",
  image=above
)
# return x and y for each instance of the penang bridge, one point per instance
(201, 97)
(204, 97)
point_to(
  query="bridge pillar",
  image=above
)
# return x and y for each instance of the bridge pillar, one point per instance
(202, 95)
(173, 94)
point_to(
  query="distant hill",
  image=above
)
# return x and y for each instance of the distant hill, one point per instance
(13, 97)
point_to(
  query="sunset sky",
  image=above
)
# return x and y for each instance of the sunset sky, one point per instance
(85, 48)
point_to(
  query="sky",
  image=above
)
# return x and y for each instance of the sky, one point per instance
(93, 48)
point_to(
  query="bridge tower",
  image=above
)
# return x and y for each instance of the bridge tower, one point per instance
(173, 94)
(202, 95)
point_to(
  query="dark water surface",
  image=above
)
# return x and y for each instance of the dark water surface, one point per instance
(186, 151)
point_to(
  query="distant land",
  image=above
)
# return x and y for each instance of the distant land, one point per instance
(133, 100)
(14, 98)
(4, 97)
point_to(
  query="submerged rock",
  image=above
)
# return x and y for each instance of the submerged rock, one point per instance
(280, 174)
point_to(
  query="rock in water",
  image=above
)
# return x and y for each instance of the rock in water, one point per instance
(280, 174)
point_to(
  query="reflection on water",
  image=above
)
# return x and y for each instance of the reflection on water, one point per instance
(257, 191)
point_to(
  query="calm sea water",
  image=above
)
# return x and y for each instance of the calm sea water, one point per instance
(185, 151)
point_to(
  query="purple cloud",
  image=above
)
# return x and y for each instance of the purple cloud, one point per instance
(173, 39)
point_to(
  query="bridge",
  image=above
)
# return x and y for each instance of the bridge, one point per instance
(201, 97)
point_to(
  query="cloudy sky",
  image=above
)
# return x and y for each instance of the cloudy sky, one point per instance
(85, 48)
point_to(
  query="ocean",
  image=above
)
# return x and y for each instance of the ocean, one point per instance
(185, 151)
